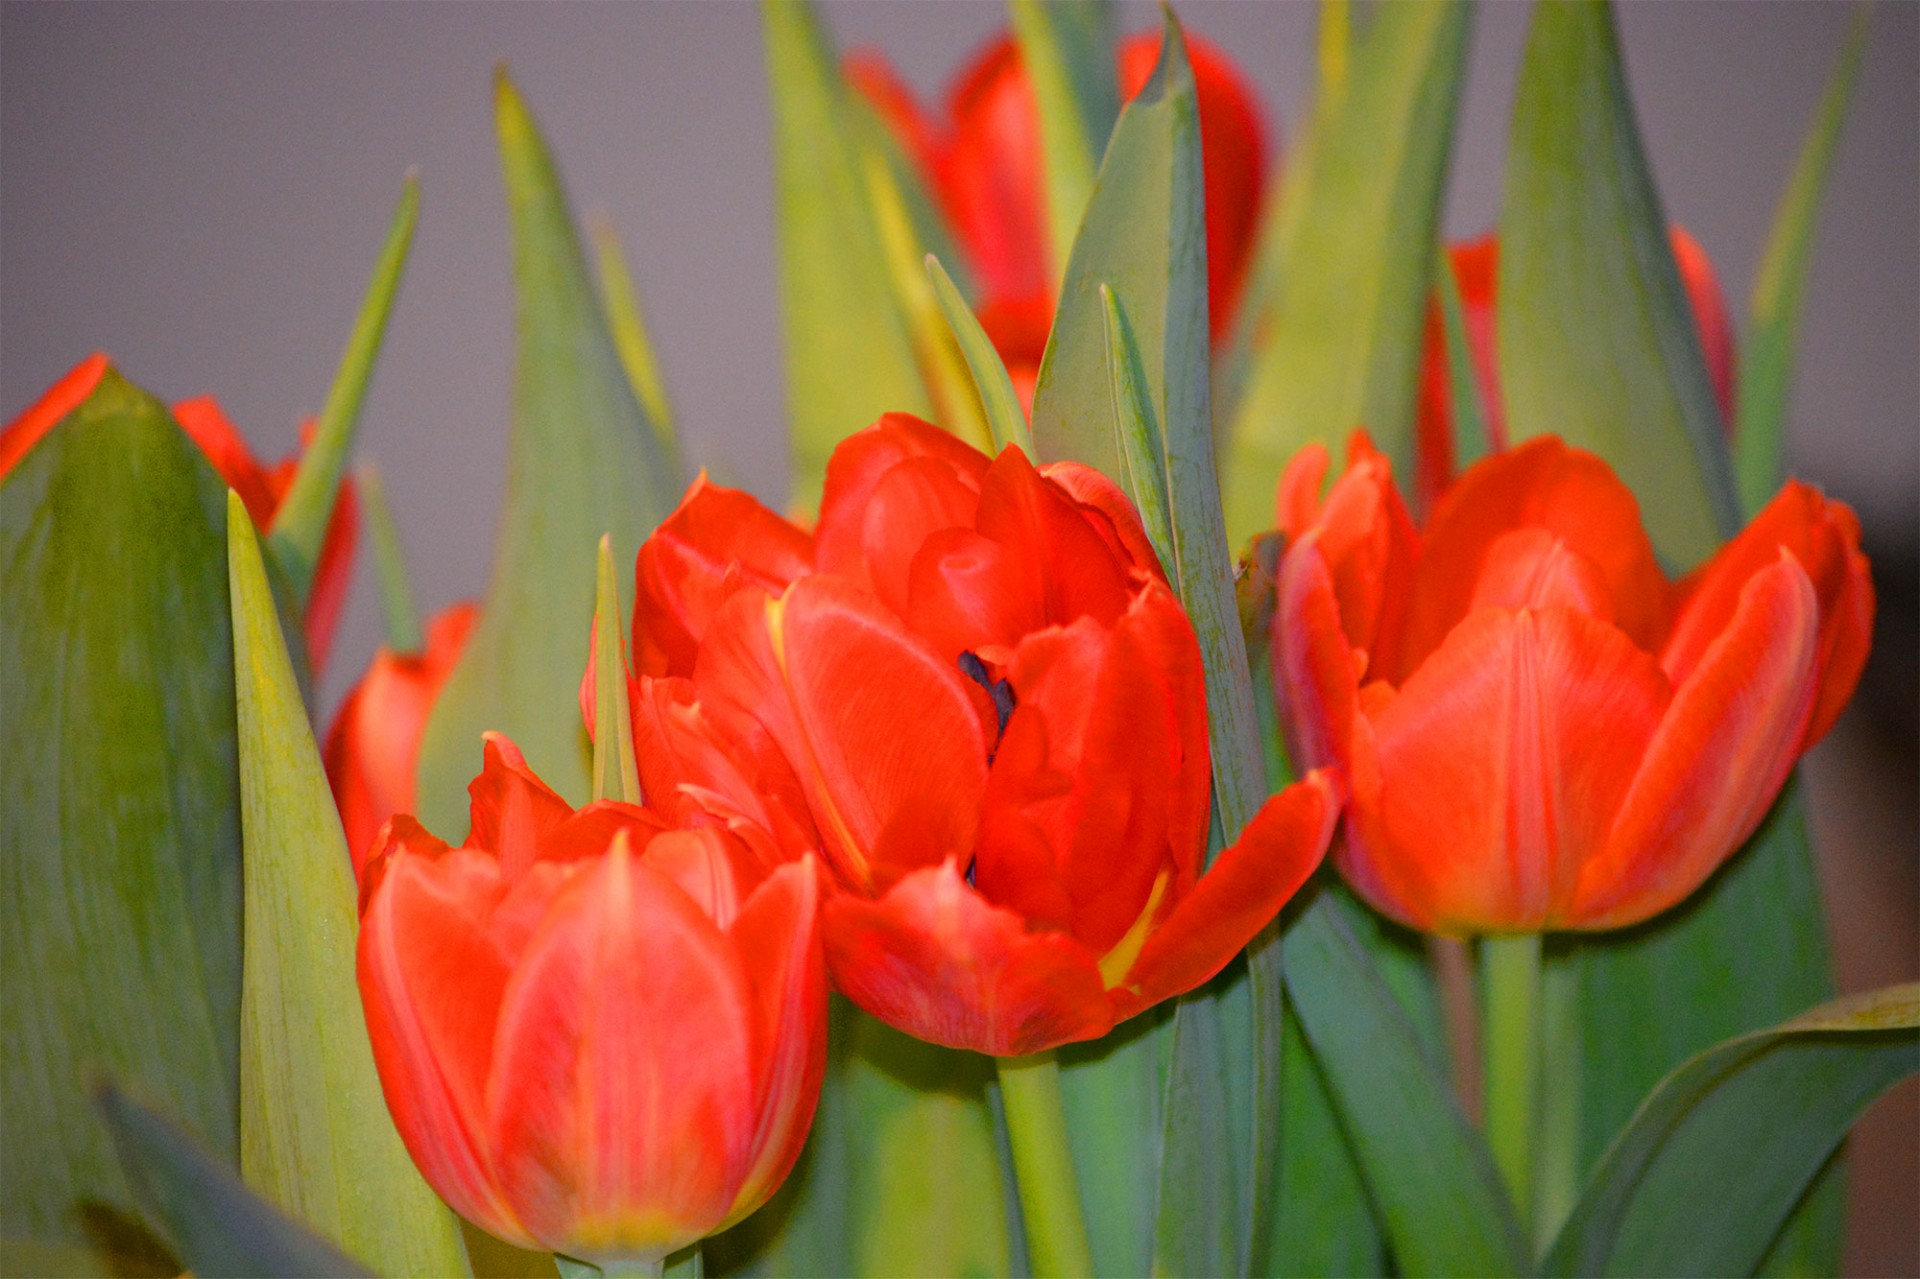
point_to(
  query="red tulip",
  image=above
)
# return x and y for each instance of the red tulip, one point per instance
(373, 748)
(984, 706)
(984, 166)
(1475, 266)
(261, 488)
(598, 1034)
(1535, 729)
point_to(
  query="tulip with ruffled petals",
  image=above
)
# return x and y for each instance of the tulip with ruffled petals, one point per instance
(1536, 730)
(599, 1035)
(261, 488)
(984, 706)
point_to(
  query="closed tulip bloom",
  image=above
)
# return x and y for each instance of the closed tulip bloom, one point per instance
(373, 747)
(981, 159)
(1536, 730)
(1475, 266)
(598, 1034)
(984, 706)
(261, 488)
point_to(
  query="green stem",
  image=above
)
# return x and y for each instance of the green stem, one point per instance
(1556, 1145)
(1043, 1166)
(1510, 976)
(623, 1268)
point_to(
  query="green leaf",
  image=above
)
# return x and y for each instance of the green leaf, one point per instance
(1469, 415)
(1066, 47)
(1596, 341)
(1355, 237)
(315, 1136)
(397, 607)
(1717, 1156)
(838, 306)
(1431, 1178)
(616, 773)
(1142, 452)
(583, 459)
(218, 1227)
(1745, 952)
(628, 328)
(1006, 420)
(1766, 363)
(300, 523)
(119, 805)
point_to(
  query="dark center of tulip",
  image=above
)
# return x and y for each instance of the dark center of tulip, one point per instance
(998, 689)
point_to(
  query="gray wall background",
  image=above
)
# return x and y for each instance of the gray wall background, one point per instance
(199, 190)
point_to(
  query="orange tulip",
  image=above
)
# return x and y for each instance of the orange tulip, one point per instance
(373, 747)
(261, 488)
(984, 167)
(984, 706)
(598, 1035)
(1536, 730)
(1475, 264)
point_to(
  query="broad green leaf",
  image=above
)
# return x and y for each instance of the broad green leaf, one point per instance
(1429, 1174)
(1720, 1152)
(1066, 47)
(583, 459)
(1006, 420)
(219, 1228)
(1766, 362)
(1597, 343)
(1746, 951)
(838, 306)
(397, 607)
(315, 1136)
(119, 804)
(1341, 345)
(900, 1175)
(628, 327)
(300, 523)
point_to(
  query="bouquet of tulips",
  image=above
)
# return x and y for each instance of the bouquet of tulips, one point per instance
(1261, 742)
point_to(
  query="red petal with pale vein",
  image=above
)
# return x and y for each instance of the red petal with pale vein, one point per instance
(1503, 761)
(1824, 537)
(625, 1042)
(1723, 749)
(1245, 888)
(431, 979)
(777, 937)
(936, 960)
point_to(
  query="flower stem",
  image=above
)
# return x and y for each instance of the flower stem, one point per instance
(1043, 1166)
(1510, 983)
(1556, 1146)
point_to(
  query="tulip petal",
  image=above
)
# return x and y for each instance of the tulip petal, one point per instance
(778, 940)
(1542, 483)
(1244, 890)
(1090, 488)
(1722, 751)
(882, 732)
(431, 980)
(958, 596)
(621, 1100)
(856, 469)
(1316, 668)
(1825, 538)
(1503, 761)
(1070, 571)
(512, 810)
(937, 960)
(913, 502)
(715, 540)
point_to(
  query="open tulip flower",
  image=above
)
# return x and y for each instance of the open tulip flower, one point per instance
(261, 488)
(984, 165)
(974, 692)
(373, 747)
(1536, 730)
(598, 1034)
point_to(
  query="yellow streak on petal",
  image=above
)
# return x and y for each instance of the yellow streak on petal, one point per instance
(1115, 963)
